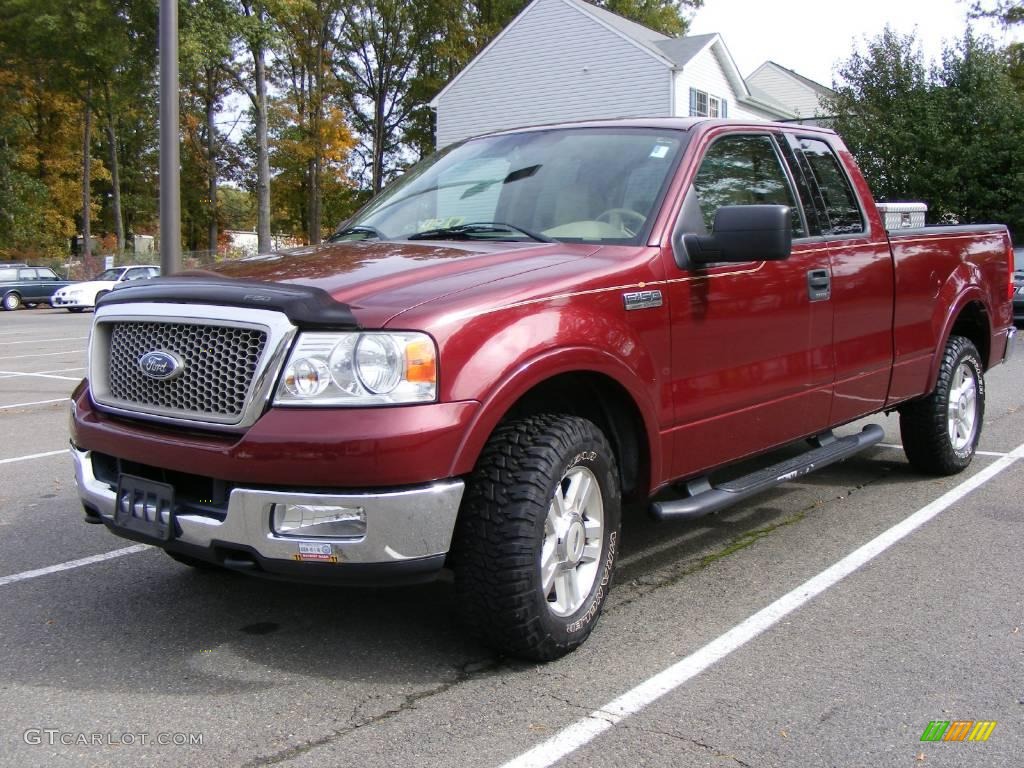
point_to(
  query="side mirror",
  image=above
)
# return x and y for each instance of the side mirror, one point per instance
(744, 233)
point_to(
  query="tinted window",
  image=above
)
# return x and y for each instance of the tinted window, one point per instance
(743, 170)
(137, 274)
(842, 213)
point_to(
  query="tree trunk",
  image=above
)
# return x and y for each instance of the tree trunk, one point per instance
(262, 154)
(86, 180)
(378, 143)
(115, 183)
(211, 157)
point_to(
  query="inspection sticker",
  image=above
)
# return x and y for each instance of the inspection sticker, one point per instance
(323, 553)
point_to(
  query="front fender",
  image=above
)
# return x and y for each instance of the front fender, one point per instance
(540, 368)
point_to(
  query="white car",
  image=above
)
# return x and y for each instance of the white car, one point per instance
(79, 296)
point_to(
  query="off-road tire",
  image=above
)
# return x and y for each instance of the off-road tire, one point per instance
(504, 523)
(925, 425)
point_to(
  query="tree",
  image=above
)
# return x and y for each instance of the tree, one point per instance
(951, 135)
(881, 108)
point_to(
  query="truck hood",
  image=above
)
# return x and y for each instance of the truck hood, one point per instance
(378, 280)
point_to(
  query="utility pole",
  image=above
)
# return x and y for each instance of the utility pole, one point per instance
(170, 165)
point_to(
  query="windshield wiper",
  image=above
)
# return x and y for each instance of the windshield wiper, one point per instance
(466, 231)
(358, 229)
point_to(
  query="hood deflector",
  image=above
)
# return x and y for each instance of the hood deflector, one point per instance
(305, 306)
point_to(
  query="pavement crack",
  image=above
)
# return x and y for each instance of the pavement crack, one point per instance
(695, 742)
(467, 672)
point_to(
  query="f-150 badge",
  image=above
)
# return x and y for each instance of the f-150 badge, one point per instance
(642, 299)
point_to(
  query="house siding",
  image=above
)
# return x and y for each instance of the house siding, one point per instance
(785, 90)
(553, 64)
(705, 73)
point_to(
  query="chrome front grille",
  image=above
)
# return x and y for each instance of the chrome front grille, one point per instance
(218, 366)
(225, 362)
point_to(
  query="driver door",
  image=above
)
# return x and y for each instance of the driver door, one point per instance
(752, 361)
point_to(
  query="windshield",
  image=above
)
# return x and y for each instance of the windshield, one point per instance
(595, 185)
(110, 274)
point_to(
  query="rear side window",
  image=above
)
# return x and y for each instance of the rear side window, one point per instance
(744, 170)
(842, 213)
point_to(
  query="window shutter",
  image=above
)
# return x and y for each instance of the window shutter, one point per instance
(693, 102)
(724, 108)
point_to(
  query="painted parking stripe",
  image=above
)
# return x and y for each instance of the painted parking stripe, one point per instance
(584, 730)
(31, 456)
(44, 354)
(898, 447)
(12, 374)
(25, 575)
(32, 404)
(44, 341)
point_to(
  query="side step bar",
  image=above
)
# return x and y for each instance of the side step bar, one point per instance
(704, 498)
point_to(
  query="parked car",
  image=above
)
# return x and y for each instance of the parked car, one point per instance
(27, 285)
(517, 338)
(83, 295)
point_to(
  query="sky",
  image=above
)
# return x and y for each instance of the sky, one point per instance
(812, 37)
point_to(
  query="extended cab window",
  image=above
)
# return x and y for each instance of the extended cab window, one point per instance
(843, 216)
(744, 170)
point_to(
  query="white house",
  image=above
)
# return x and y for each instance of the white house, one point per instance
(777, 83)
(562, 60)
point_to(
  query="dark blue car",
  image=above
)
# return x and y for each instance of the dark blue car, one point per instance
(27, 285)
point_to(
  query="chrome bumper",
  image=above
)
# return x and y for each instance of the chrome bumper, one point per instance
(400, 525)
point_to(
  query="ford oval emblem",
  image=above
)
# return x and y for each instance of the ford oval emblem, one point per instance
(160, 365)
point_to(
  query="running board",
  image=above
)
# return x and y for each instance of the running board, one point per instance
(704, 498)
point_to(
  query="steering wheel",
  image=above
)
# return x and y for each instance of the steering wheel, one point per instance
(618, 217)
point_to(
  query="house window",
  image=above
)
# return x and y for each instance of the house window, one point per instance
(703, 104)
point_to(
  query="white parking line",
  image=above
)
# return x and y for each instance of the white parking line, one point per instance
(24, 575)
(584, 730)
(33, 456)
(44, 354)
(44, 341)
(30, 405)
(898, 447)
(12, 374)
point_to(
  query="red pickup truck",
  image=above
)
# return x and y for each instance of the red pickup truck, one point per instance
(522, 334)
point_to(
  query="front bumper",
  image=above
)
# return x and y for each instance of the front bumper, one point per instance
(408, 531)
(70, 302)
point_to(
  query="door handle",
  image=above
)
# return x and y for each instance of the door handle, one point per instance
(819, 284)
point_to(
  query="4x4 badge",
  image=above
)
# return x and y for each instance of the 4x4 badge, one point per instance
(642, 299)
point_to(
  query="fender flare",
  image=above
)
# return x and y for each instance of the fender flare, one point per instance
(969, 294)
(540, 368)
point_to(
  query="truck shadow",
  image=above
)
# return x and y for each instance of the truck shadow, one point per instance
(143, 621)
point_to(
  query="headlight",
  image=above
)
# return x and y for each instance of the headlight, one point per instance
(373, 368)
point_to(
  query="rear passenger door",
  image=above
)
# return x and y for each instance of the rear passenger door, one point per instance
(862, 281)
(751, 346)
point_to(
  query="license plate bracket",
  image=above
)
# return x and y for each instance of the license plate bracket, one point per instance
(145, 507)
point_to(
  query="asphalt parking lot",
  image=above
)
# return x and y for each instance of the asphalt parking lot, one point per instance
(112, 654)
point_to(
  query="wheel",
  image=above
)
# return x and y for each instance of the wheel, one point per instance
(617, 217)
(941, 432)
(12, 301)
(192, 562)
(537, 537)
(75, 309)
